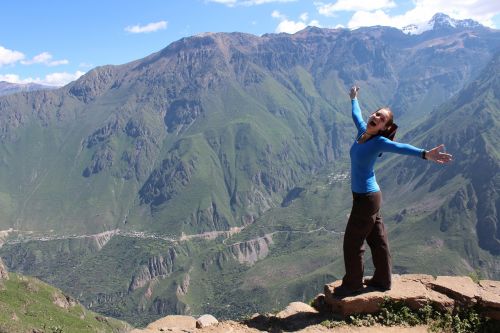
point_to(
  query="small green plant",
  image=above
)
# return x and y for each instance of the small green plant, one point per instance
(397, 313)
(325, 323)
(392, 313)
(56, 329)
(464, 321)
(333, 323)
(427, 313)
(475, 276)
(365, 320)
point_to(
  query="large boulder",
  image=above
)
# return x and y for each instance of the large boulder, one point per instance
(410, 289)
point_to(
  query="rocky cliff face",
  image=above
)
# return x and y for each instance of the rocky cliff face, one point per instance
(157, 267)
(250, 251)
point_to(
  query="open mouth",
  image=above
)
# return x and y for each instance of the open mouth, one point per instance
(372, 123)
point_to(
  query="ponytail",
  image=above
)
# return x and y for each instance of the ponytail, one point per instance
(389, 133)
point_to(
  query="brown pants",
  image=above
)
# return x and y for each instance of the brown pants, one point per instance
(365, 223)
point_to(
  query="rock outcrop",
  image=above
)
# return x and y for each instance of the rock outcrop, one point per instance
(63, 301)
(4, 274)
(157, 266)
(251, 251)
(447, 293)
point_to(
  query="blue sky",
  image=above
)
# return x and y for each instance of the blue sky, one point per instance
(54, 42)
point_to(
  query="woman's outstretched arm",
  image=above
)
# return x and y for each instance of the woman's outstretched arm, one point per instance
(437, 156)
(356, 111)
(434, 154)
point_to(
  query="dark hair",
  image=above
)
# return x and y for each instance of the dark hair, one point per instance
(391, 127)
(389, 132)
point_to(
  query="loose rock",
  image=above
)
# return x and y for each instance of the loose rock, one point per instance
(297, 309)
(206, 320)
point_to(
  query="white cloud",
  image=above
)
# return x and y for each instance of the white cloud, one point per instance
(290, 26)
(12, 78)
(328, 9)
(366, 19)
(314, 23)
(233, 3)
(46, 59)
(52, 79)
(278, 15)
(482, 11)
(229, 3)
(150, 27)
(60, 79)
(8, 57)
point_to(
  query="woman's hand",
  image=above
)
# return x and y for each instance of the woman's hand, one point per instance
(435, 155)
(354, 92)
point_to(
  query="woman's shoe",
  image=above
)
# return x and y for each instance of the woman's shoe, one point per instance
(343, 291)
(370, 283)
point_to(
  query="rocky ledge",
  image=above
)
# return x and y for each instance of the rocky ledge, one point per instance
(446, 294)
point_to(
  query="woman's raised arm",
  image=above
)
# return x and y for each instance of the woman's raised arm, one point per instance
(356, 111)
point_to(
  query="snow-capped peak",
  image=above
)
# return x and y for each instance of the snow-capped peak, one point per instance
(438, 22)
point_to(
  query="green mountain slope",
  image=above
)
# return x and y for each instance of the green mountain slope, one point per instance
(27, 304)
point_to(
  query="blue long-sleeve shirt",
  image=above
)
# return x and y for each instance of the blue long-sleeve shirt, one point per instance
(364, 155)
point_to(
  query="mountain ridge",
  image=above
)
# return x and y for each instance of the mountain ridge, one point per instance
(7, 88)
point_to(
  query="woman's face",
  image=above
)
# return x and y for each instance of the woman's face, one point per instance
(378, 120)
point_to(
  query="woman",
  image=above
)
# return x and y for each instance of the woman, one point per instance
(365, 221)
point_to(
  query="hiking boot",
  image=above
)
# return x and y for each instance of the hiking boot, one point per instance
(370, 283)
(343, 291)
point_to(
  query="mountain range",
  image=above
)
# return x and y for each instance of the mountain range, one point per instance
(215, 172)
(7, 88)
